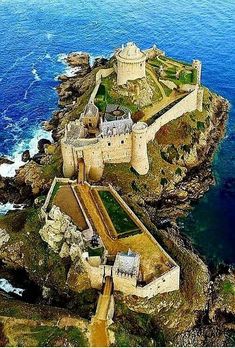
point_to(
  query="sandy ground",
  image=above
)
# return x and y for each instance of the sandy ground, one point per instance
(66, 201)
(153, 261)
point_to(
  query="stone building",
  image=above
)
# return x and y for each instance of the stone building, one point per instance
(112, 137)
(130, 63)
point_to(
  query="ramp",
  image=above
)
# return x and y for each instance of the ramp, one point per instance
(98, 327)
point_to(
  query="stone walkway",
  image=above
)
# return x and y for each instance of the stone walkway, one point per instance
(140, 243)
(98, 327)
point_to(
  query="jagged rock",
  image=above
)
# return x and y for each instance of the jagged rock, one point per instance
(59, 233)
(42, 143)
(25, 156)
(31, 175)
(100, 61)
(64, 252)
(6, 160)
(76, 59)
(47, 126)
(4, 237)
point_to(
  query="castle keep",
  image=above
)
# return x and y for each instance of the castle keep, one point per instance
(130, 63)
(110, 135)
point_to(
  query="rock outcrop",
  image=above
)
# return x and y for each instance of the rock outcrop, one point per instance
(61, 234)
(4, 237)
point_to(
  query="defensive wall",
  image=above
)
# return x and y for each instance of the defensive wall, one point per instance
(96, 266)
(123, 148)
(101, 73)
(192, 102)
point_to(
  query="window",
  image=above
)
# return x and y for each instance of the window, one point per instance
(109, 144)
(122, 141)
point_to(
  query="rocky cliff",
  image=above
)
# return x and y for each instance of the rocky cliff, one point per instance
(202, 311)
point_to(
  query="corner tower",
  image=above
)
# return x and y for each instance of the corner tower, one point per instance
(130, 63)
(139, 156)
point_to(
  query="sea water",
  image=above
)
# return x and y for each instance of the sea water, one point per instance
(36, 34)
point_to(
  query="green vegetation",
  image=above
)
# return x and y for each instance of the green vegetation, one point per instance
(172, 68)
(122, 222)
(228, 288)
(132, 329)
(106, 95)
(169, 59)
(49, 171)
(47, 336)
(38, 258)
(95, 251)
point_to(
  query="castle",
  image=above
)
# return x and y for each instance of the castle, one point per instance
(78, 223)
(111, 136)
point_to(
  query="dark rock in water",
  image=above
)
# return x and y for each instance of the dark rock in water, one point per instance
(6, 160)
(25, 156)
(47, 126)
(38, 157)
(41, 144)
(75, 59)
(100, 62)
(15, 192)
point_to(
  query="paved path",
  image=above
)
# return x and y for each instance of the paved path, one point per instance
(150, 111)
(98, 327)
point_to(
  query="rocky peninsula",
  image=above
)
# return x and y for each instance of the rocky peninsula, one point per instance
(201, 313)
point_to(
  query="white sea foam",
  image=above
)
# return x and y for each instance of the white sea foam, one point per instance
(47, 56)
(71, 71)
(4, 208)
(7, 287)
(49, 35)
(8, 170)
(35, 74)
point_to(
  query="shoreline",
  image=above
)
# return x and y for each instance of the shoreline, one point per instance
(162, 214)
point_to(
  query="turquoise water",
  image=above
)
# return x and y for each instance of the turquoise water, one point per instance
(35, 33)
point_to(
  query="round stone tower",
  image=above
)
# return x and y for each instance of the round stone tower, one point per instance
(130, 63)
(139, 156)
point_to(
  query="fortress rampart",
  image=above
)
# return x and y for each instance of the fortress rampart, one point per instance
(123, 148)
(193, 101)
(114, 138)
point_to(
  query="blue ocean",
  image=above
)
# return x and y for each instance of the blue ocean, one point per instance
(36, 34)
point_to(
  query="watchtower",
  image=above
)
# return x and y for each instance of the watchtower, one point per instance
(130, 63)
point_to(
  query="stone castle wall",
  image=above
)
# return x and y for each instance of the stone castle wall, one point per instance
(122, 148)
(188, 104)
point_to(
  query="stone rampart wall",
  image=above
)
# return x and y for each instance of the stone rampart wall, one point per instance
(187, 104)
(166, 283)
(99, 75)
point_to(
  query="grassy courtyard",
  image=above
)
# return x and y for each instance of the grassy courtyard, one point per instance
(176, 71)
(122, 222)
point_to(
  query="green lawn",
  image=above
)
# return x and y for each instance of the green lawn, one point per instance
(123, 224)
(106, 95)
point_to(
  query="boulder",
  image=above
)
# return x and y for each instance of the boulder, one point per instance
(47, 126)
(41, 144)
(38, 157)
(76, 59)
(100, 61)
(5, 160)
(4, 237)
(25, 156)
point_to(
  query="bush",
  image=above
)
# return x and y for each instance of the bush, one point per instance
(163, 181)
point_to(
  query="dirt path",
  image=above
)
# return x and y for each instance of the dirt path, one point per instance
(150, 111)
(98, 328)
(140, 243)
(154, 77)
